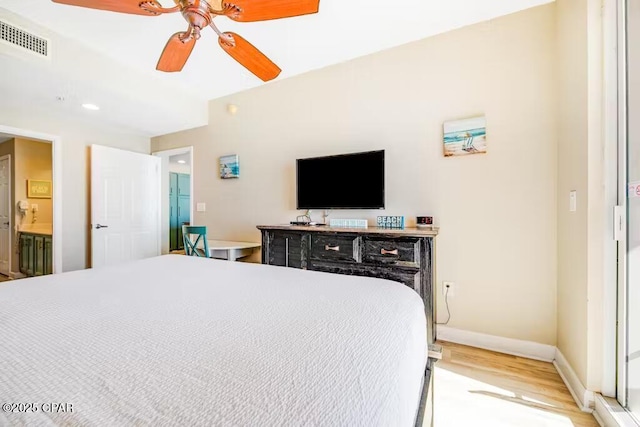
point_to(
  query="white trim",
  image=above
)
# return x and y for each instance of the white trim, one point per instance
(600, 421)
(528, 349)
(583, 397)
(56, 148)
(173, 151)
(609, 413)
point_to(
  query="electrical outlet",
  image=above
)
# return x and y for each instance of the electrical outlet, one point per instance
(448, 289)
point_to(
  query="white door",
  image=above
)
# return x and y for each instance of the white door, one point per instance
(125, 206)
(5, 215)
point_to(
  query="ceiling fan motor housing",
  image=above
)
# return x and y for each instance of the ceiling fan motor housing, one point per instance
(196, 13)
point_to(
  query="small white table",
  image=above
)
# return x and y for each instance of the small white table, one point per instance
(229, 250)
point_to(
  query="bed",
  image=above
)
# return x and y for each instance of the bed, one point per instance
(176, 340)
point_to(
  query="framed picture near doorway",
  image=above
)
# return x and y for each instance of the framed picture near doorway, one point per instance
(38, 189)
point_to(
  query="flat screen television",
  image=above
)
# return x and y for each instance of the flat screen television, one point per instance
(347, 181)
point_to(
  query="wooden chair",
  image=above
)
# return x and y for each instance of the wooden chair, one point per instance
(190, 246)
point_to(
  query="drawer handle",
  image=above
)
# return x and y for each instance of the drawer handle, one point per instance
(386, 252)
(332, 248)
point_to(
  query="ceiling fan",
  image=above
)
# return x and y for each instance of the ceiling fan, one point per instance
(200, 14)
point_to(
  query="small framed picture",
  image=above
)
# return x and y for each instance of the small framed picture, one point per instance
(38, 189)
(229, 167)
(463, 137)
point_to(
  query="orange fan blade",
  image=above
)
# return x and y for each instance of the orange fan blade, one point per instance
(122, 6)
(249, 56)
(264, 10)
(175, 53)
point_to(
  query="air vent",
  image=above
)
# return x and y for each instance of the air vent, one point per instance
(24, 39)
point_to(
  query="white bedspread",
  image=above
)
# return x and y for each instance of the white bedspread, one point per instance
(183, 341)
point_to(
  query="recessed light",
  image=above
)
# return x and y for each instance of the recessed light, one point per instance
(92, 107)
(182, 162)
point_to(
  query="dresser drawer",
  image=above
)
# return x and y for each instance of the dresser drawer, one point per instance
(335, 247)
(380, 250)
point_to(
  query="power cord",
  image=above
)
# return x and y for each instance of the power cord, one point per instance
(446, 302)
(325, 215)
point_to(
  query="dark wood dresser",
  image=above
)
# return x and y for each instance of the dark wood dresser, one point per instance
(403, 255)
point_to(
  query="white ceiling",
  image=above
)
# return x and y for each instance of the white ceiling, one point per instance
(342, 30)
(185, 157)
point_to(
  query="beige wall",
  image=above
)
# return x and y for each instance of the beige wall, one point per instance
(76, 137)
(572, 175)
(580, 160)
(497, 211)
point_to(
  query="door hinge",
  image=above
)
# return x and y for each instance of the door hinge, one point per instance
(618, 223)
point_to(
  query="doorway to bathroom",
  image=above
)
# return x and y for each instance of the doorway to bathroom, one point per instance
(179, 198)
(26, 207)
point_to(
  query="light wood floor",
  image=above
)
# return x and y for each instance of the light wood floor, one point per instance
(475, 387)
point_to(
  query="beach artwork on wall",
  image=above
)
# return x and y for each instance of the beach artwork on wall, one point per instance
(462, 137)
(229, 167)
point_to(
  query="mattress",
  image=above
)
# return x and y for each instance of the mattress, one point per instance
(186, 341)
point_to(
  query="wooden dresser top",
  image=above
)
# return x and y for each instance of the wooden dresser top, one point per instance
(409, 232)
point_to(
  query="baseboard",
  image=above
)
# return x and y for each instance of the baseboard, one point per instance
(609, 413)
(599, 419)
(528, 349)
(15, 275)
(583, 397)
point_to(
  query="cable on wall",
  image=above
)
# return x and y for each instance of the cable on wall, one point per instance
(446, 302)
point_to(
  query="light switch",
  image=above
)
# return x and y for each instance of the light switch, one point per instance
(573, 202)
(201, 207)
